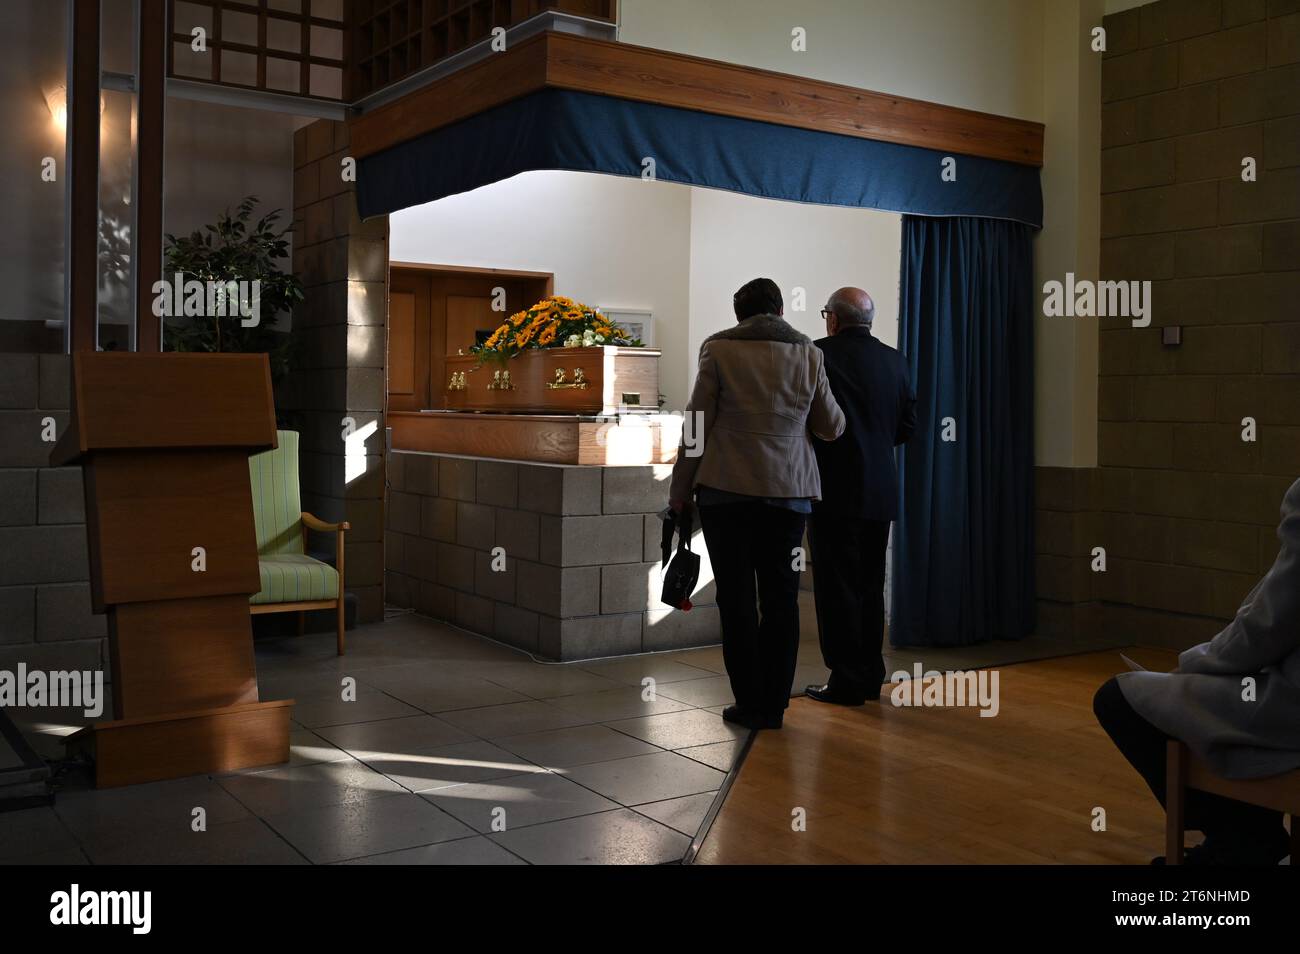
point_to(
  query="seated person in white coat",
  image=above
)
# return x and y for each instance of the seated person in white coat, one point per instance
(1235, 702)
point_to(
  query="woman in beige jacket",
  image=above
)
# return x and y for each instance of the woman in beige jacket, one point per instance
(759, 390)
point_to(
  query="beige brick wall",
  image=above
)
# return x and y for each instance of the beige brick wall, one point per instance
(338, 370)
(581, 576)
(1184, 507)
(45, 614)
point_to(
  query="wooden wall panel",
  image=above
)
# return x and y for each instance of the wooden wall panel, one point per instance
(563, 61)
(447, 305)
(401, 343)
(466, 314)
(726, 89)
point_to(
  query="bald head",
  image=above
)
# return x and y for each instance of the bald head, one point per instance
(850, 308)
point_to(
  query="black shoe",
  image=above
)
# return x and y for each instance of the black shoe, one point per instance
(827, 694)
(735, 715)
(750, 720)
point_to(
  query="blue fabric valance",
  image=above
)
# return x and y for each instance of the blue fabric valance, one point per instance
(584, 132)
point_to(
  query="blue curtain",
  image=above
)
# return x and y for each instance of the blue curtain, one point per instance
(964, 540)
(583, 132)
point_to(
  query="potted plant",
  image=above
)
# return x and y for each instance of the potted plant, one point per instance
(234, 250)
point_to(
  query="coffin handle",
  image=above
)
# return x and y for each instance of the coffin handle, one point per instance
(579, 381)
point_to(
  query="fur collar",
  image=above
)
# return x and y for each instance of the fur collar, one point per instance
(761, 328)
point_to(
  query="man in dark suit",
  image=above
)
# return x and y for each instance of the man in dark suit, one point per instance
(849, 531)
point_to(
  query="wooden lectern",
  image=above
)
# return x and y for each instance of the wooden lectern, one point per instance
(163, 441)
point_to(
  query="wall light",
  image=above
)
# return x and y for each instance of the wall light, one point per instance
(56, 98)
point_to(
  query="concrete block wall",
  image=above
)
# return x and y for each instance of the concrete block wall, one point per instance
(1064, 534)
(45, 617)
(339, 366)
(581, 547)
(1187, 510)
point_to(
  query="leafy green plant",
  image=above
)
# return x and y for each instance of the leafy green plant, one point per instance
(235, 249)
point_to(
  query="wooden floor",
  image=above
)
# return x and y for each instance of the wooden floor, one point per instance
(887, 785)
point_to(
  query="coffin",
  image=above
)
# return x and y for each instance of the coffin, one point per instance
(600, 380)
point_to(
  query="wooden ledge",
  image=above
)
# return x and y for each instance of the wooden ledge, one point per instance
(539, 438)
(641, 74)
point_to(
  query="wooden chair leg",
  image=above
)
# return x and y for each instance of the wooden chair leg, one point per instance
(339, 554)
(1175, 790)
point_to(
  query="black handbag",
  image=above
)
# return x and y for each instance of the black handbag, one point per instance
(684, 570)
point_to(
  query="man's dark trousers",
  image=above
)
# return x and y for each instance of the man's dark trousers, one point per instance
(752, 551)
(848, 558)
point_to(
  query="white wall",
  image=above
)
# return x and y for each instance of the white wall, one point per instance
(1066, 351)
(33, 59)
(215, 155)
(977, 54)
(817, 248)
(610, 241)
(1020, 58)
(675, 250)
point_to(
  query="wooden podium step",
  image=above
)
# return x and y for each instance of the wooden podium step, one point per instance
(128, 751)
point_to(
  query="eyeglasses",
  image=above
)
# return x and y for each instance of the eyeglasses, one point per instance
(827, 313)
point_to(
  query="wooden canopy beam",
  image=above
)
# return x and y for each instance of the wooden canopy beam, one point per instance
(564, 61)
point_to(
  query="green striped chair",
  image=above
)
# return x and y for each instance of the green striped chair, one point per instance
(291, 580)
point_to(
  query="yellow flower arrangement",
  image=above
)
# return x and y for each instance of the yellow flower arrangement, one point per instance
(553, 322)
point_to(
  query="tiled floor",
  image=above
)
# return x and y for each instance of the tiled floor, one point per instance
(455, 750)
